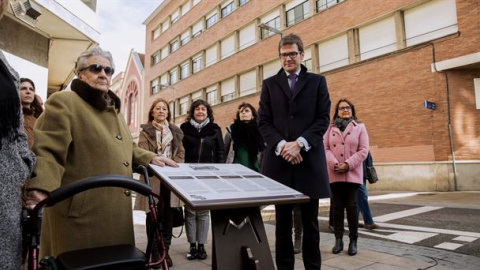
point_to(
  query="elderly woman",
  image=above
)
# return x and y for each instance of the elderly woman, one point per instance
(346, 147)
(164, 138)
(82, 134)
(16, 165)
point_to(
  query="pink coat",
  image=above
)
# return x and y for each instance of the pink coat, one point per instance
(350, 147)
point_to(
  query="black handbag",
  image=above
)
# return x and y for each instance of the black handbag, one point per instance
(177, 217)
(372, 176)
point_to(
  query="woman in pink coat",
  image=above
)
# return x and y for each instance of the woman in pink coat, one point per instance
(346, 146)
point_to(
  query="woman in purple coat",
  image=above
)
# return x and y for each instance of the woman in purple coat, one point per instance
(346, 147)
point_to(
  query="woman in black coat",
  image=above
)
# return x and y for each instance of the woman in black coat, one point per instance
(203, 143)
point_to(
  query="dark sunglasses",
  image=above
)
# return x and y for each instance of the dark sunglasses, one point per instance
(96, 69)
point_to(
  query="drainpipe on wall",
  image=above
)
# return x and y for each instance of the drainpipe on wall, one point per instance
(450, 132)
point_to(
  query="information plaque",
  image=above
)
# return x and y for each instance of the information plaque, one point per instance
(224, 186)
(233, 193)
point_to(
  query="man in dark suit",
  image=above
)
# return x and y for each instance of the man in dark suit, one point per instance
(293, 116)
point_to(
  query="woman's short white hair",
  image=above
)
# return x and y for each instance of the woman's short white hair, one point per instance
(82, 60)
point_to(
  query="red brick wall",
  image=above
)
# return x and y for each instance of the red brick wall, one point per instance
(387, 91)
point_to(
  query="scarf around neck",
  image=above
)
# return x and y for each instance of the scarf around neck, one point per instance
(342, 123)
(164, 137)
(247, 135)
(199, 126)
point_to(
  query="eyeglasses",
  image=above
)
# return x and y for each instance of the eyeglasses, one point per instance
(346, 108)
(96, 69)
(290, 54)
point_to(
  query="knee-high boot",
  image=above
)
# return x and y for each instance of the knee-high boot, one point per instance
(338, 246)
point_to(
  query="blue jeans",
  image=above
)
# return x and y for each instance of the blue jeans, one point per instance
(362, 203)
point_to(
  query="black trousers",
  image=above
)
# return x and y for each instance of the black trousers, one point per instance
(284, 258)
(344, 197)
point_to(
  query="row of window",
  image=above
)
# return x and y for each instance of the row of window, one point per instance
(422, 23)
(196, 29)
(295, 10)
(210, 19)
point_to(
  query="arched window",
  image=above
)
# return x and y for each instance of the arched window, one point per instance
(132, 93)
(131, 109)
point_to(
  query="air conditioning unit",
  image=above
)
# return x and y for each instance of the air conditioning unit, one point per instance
(27, 11)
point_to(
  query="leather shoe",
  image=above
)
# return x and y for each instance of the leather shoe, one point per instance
(338, 246)
(297, 246)
(372, 226)
(352, 248)
(201, 253)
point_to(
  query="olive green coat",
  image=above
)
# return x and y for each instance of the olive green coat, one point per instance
(80, 135)
(148, 140)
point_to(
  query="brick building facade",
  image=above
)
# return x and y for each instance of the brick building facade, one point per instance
(387, 57)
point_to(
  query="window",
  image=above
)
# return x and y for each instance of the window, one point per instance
(174, 45)
(195, 2)
(377, 38)
(212, 95)
(247, 36)
(242, 2)
(297, 13)
(183, 105)
(174, 17)
(155, 58)
(185, 37)
(164, 52)
(333, 53)
(156, 32)
(163, 80)
(248, 83)
(429, 21)
(184, 70)
(211, 20)
(154, 86)
(196, 64)
(227, 9)
(173, 76)
(131, 109)
(324, 4)
(197, 28)
(228, 89)
(307, 58)
(211, 56)
(197, 95)
(185, 8)
(165, 26)
(227, 46)
(275, 23)
(271, 68)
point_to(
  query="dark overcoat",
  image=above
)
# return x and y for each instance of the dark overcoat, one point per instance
(80, 135)
(287, 116)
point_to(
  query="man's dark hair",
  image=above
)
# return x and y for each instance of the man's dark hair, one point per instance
(291, 39)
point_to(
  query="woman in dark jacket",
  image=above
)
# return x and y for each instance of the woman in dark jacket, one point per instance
(203, 143)
(165, 139)
(243, 140)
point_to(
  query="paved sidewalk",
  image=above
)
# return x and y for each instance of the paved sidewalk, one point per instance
(372, 254)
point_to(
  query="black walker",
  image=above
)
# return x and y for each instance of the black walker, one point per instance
(100, 258)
